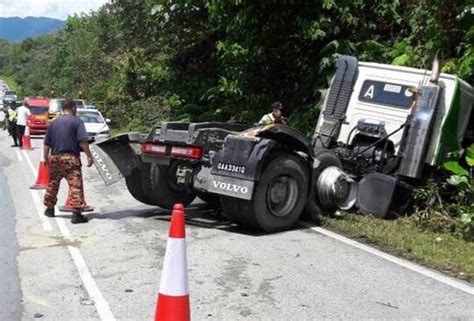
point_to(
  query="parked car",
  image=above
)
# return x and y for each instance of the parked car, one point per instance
(56, 106)
(96, 125)
(38, 121)
(9, 96)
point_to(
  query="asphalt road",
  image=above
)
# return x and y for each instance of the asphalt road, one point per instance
(110, 268)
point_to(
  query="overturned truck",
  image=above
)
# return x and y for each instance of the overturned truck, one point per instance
(382, 131)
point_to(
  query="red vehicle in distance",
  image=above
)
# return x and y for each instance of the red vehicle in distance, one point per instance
(38, 120)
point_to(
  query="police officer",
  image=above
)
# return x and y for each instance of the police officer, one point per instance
(65, 138)
(11, 119)
(275, 117)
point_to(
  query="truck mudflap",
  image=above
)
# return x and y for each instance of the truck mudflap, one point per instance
(236, 167)
(241, 157)
(117, 157)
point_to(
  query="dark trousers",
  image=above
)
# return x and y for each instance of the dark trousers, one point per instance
(20, 131)
(13, 133)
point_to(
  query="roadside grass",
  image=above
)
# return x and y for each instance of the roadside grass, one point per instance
(401, 237)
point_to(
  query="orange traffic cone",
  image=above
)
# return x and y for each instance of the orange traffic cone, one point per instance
(68, 208)
(42, 180)
(173, 296)
(26, 141)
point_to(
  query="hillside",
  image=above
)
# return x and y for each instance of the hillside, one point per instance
(17, 29)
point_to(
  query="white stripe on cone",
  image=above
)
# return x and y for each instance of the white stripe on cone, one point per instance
(174, 277)
(27, 131)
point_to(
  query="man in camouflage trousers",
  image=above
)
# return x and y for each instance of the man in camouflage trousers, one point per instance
(64, 139)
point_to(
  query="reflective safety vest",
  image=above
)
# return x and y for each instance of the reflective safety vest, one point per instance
(267, 119)
(11, 115)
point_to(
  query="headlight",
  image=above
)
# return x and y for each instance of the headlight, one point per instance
(105, 132)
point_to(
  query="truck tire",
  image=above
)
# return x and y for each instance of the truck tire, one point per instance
(278, 197)
(138, 183)
(211, 199)
(313, 208)
(162, 191)
(151, 186)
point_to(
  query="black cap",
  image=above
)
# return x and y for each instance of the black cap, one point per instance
(277, 105)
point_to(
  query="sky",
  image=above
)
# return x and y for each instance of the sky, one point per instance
(59, 9)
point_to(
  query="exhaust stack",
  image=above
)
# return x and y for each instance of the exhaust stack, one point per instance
(435, 70)
(419, 132)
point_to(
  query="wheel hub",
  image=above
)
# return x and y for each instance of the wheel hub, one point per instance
(281, 195)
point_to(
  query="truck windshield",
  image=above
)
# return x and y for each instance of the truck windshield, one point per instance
(384, 93)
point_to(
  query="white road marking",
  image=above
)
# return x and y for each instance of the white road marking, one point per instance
(40, 209)
(19, 155)
(36, 195)
(401, 262)
(28, 160)
(102, 306)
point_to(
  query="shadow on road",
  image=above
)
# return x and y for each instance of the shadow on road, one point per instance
(197, 215)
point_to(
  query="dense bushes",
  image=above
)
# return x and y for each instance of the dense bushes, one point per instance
(230, 59)
(449, 206)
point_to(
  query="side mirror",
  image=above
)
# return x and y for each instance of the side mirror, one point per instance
(107, 121)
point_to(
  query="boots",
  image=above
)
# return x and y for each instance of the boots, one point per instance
(49, 212)
(78, 218)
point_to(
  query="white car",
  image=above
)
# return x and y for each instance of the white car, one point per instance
(96, 125)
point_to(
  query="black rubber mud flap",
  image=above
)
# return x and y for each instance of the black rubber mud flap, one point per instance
(376, 193)
(241, 157)
(117, 153)
(105, 166)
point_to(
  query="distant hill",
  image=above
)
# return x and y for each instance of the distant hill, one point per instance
(18, 29)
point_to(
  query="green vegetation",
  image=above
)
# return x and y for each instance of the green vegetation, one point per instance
(151, 60)
(440, 232)
(449, 206)
(220, 60)
(402, 237)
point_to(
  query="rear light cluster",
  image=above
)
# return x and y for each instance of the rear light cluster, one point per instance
(151, 148)
(176, 151)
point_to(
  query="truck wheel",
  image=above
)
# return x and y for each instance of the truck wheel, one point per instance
(211, 199)
(278, 197)
(138, 183)
(230, 208)
(163, 191)
(313, 208)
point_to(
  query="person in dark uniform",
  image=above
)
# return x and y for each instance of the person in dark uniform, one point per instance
(64, 139)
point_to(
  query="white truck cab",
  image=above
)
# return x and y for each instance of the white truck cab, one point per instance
(390, 124)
